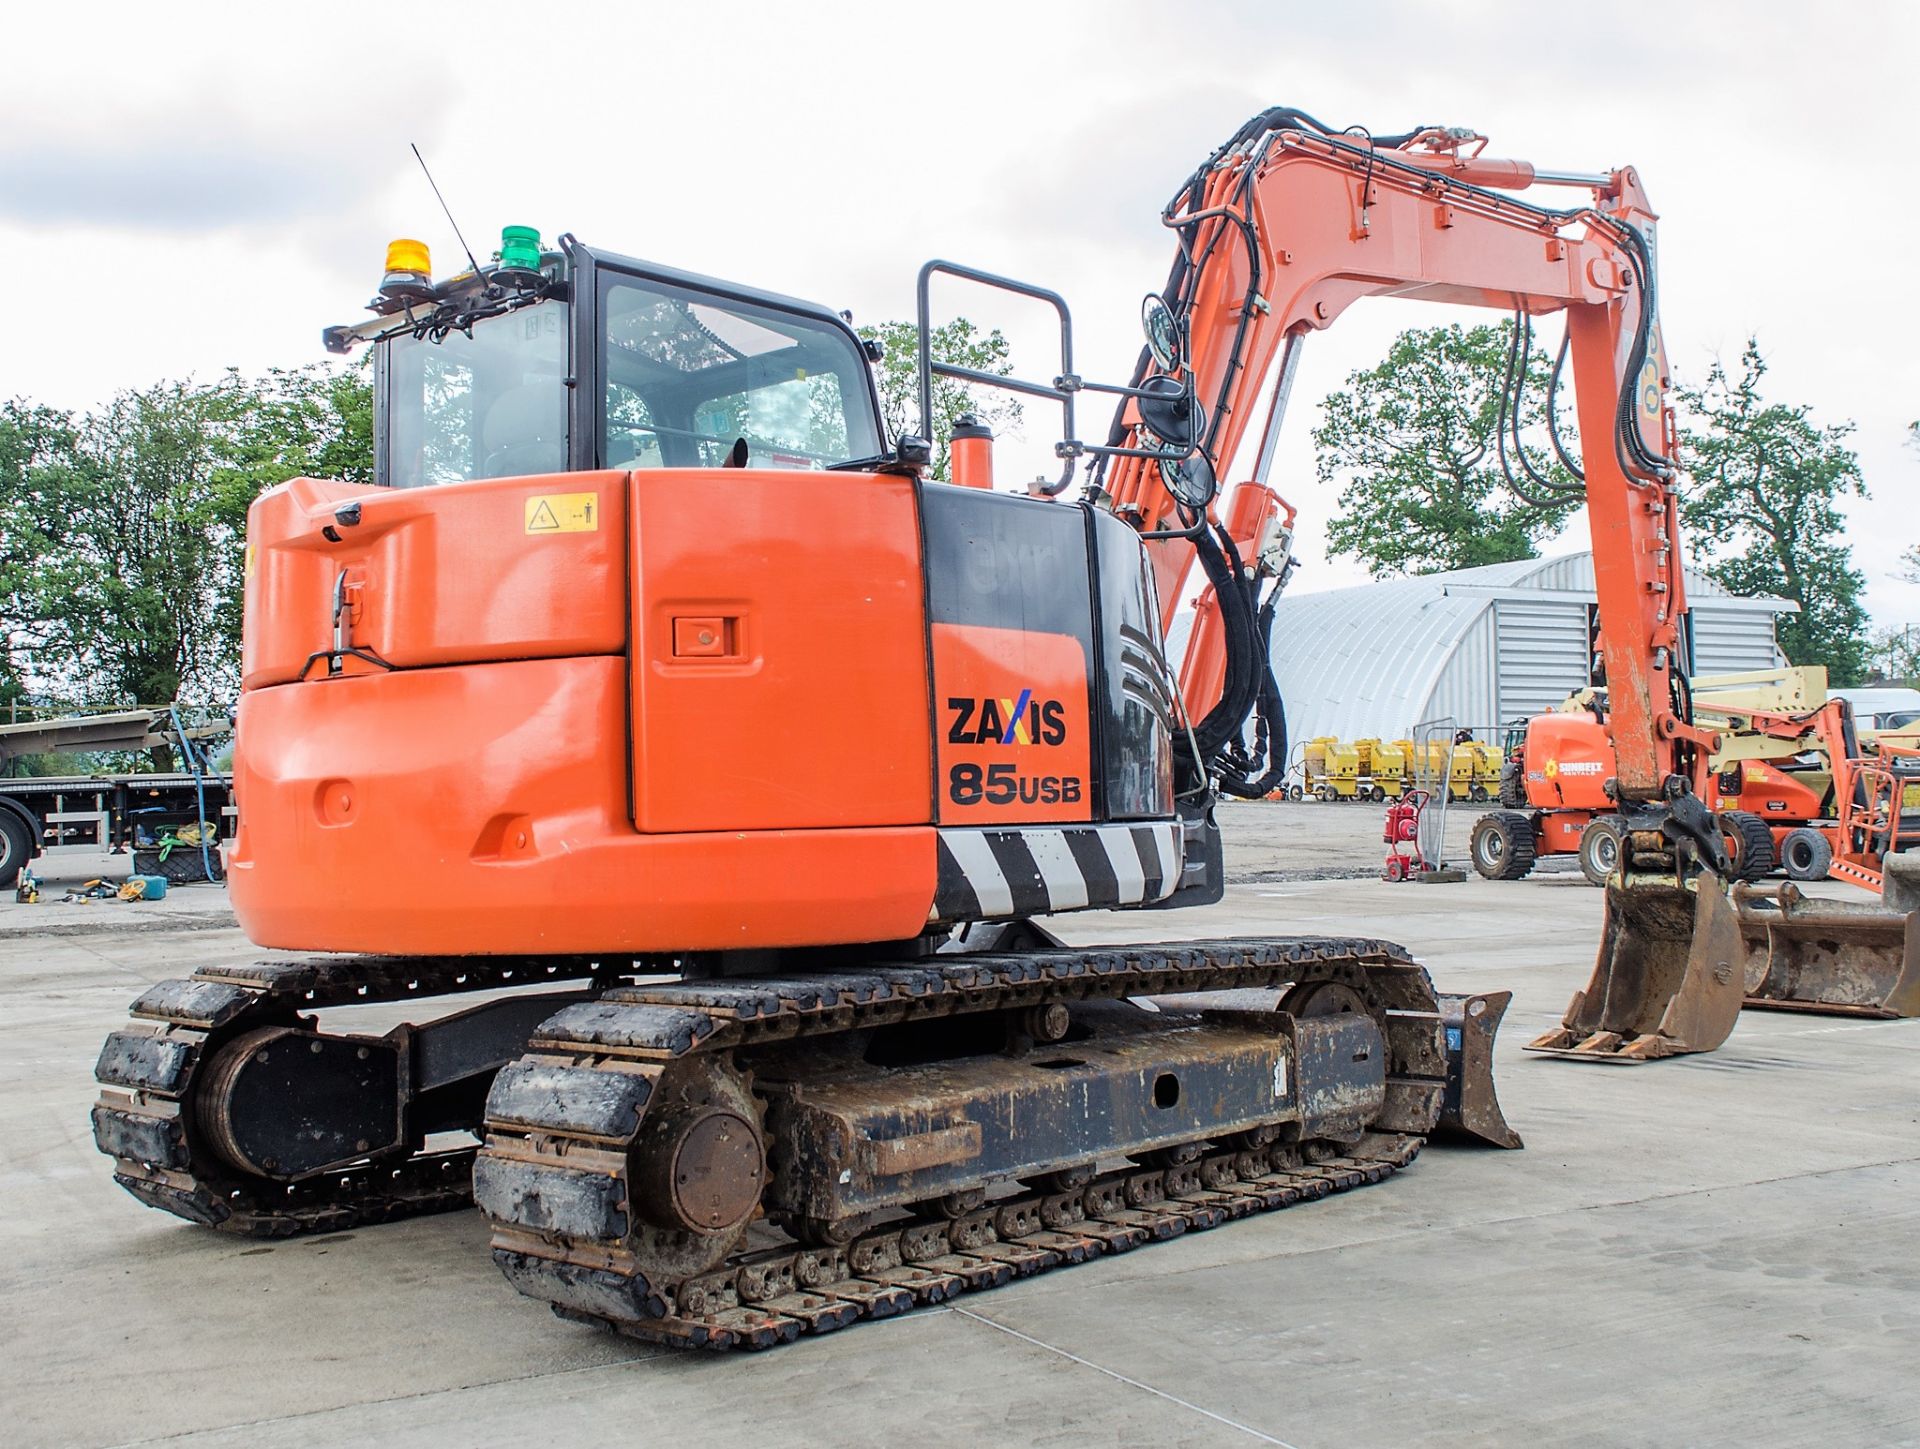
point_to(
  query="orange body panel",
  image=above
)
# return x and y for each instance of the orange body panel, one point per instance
(483, 809)
(1762, 788)
(460, 573)
(1568, 761)
(806, 705)
(771, 718)
(1015, 726)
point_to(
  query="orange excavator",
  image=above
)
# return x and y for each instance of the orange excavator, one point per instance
(689, 769)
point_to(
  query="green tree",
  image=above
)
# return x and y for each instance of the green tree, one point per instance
(1896, 655)
(1414, 443)
(124, 528)
(38, 450)
(960, 344)
(1761, 504)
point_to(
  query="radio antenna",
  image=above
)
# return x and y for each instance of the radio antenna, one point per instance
(448, 210)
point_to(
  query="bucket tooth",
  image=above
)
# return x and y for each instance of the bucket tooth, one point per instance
(1667, 980)
(1471, 1106)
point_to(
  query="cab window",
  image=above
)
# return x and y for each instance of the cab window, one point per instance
(688, 375)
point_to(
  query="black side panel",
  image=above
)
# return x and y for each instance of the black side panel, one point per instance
(1005, 562)
(1136, 708)
(1013, 658)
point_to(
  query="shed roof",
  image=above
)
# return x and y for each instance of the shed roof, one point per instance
(1346, 659)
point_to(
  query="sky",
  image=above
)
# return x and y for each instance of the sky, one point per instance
(190, 187)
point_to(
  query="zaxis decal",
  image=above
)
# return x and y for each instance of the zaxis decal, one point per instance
(1022, 721)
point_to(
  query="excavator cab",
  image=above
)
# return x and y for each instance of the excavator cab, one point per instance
(594, 361)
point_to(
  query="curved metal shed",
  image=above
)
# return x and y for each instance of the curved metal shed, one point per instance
(1479, 646)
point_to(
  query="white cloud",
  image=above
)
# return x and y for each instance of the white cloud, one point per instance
(205, 185)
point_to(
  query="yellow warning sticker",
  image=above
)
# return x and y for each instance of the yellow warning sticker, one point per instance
(563, 513)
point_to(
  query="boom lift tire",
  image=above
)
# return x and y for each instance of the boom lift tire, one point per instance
(1513, 789)
(1502, 845)
(1805, 854)
(1749, 845)
(1600, 848)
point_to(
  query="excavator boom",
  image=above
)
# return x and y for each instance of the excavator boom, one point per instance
(1286, 226)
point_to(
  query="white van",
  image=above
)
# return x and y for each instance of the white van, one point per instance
(1883, 709)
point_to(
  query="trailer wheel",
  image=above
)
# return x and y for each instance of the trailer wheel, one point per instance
(1749, 844)
(1377, 793)
(1805, 854)
(16, 847)
(1502, 845)
(1600, 848)
(1478, 794)
(1294, 793)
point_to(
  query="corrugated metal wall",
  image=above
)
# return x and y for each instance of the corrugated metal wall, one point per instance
(1465, 692)
(1726, 641)
(1542, 646)
(1479, 646)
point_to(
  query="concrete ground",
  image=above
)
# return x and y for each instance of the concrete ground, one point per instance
(1717, 1250)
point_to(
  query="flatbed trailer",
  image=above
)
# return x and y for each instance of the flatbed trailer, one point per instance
(52, 814)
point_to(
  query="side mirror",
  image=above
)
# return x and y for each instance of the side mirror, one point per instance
(1190, 480)
(1163, 331)
(1175, 417)
(1170, 412)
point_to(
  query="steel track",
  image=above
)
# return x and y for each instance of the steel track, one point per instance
(563, 1123)
(562, 1120)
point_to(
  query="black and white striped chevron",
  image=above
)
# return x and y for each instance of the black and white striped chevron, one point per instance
(1036, 870)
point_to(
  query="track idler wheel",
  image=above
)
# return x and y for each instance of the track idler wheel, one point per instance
(284, 1104)
(700, 1169)
(696, 1168)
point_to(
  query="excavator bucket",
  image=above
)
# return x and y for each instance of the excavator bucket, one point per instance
(1667, 980)
(1835, 957)
(1470, 1107)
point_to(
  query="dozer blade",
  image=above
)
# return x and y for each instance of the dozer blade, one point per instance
(1835, 957)
(1470, 1104)
(1471, 1107)
(1667, 980)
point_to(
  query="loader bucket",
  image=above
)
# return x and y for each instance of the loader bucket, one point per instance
(1667, 980)
(1471, 1107)
(1838, 958)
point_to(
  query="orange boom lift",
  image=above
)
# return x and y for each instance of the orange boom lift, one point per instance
(693, 768)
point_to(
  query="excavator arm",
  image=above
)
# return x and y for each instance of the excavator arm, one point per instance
(1282, 229)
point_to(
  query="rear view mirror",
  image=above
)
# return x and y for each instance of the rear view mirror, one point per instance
(1169, 412)
(1163, 332)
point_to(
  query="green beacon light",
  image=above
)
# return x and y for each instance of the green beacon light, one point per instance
(520, 251)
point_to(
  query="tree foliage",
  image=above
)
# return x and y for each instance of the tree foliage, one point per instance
(1896, 655)
(1763, 488)
(960, 344)
(124, 527)
(1414, 444)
